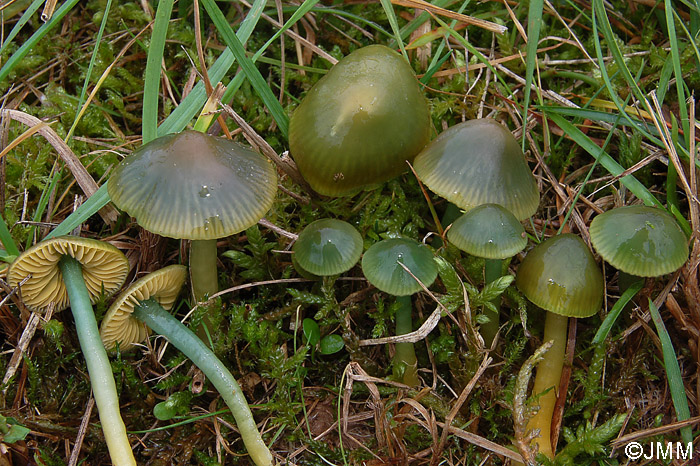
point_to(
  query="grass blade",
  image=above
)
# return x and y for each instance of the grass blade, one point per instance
(94, 203)
(637, 188)
(153, 67)
(614, 313)
(43, 202)
(416, 22)
(35, 38)
(249, 69)
(21, 22)
(598, 115)
(677, 70)
(673, 373)
(391, 16)
(534, 21)
(237, 80)
(192, 104)
(6, 238)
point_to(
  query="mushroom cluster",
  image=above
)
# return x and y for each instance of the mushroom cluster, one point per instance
(357, 127)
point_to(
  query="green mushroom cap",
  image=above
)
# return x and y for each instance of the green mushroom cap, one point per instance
(479, 162)
(359, 124)
(640, 240)
(191, 185)
(381, 267)
(328, 247)
(561, 276)
(489, 231)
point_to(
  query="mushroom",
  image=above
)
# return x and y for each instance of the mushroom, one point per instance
(479, 162)
(328, 247)
(76, 271)
(559, 275)
(381, 265)
(194, 186)
(359, 124)
(640, 241)
(142, 306)
(491, 232)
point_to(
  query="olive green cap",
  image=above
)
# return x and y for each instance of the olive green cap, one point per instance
(381, 267)
(640, 240)
(191, 185)
(489, 231)
(328, 247)
(479, 162)
(104, 269)
(561, 276)
(359, 124)
(118, 326)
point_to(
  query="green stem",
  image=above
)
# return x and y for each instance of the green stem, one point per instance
(161, 322)
(405, 353)
(205, 280)
(204, 277)
(492, 272)
(547, 378)
(99, 368)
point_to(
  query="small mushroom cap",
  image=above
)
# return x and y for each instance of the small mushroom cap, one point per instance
(191, 185)
(328, 247)
(104, 269)
(380, 265)
(118, 326)
(479, 162)
(640, 240)
(359, 124)
(561, 276)
(489, 231)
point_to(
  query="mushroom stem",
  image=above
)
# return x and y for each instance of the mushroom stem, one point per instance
(547, 378)
(205, 281)
(99, 368)
(405, 353)
(163, 323)
(492, 272)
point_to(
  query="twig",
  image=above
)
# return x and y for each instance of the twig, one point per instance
(458, 405)
(49, 8)
(81, 432)
(286, 165)
(24, 339)
(413, 337)
(634, 436)
(280, 231)
(421, 5)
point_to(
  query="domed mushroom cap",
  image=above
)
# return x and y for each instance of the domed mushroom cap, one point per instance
(561, 276)
(104, 269)
(194, 186)
(489, 231)
(479, 162)
(640, 240)
(118, 326)
(380, 264)
(359, 124)
(328, 247)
